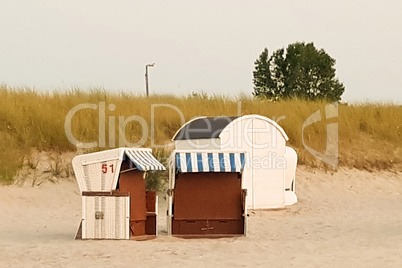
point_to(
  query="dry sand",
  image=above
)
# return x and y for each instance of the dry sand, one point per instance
(347, 219)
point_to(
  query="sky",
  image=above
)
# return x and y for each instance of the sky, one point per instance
(197, 46)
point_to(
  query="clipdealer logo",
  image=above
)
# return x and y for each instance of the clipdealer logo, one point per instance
(331, 155)
(122, 123)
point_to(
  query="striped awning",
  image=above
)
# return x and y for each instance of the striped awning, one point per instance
(209, 162)
(144, 160)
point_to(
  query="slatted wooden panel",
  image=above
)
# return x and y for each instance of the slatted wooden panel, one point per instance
(105, 217)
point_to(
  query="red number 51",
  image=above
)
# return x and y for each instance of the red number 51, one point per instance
(104, 168)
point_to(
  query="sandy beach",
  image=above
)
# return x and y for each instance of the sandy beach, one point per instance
(350, 218)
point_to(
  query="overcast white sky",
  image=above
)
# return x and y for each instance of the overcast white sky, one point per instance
(196, 45)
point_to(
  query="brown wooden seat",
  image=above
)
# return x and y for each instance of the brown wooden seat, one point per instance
(208, 204)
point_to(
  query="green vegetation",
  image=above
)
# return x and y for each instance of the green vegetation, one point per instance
(369, 134)
(303, 73)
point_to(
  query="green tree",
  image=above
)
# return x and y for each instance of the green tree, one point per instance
(304, 72)
(262, 76)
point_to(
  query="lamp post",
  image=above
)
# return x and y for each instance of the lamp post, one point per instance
(146, 77)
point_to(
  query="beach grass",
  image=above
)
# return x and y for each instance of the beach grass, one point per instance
(370, 134)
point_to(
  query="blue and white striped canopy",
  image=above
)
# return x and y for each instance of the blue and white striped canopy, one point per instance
(209, 162)
(144, 160)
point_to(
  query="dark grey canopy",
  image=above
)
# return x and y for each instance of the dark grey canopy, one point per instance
(204, 128)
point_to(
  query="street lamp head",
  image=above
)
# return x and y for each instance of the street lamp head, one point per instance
(150, 65)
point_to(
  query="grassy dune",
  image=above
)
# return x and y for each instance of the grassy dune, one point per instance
(369, 134)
